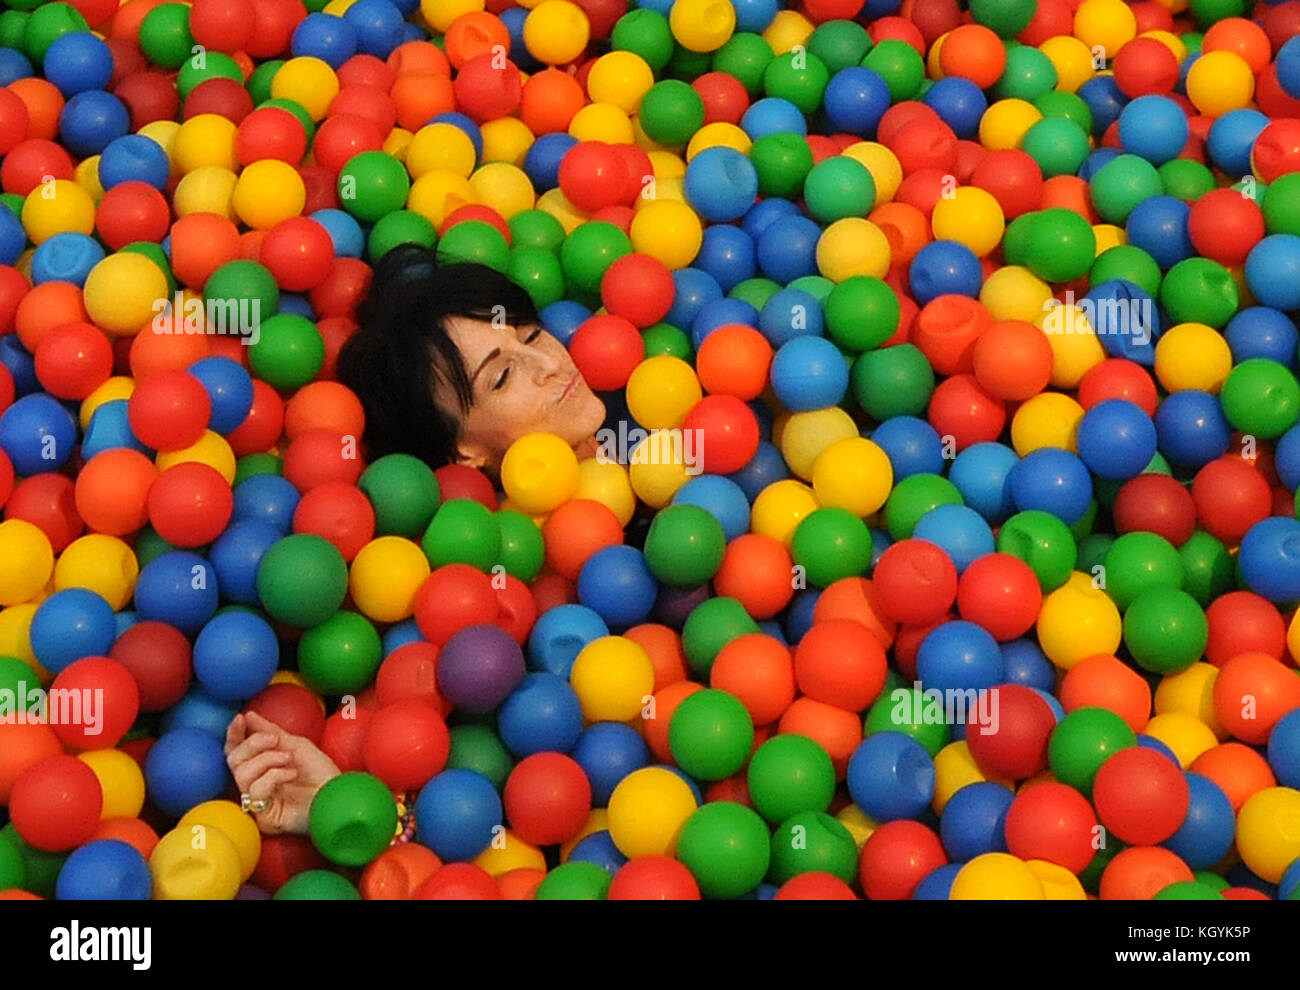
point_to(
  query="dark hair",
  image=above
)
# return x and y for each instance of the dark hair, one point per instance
(401, 353)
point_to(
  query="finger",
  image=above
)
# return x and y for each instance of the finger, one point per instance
(247, 772)
(258, 742)
(265, 786)
(262, 724)
(235, 733)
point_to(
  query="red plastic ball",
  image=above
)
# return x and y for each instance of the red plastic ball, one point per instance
(270, 132)
(1144, 66)
(343, 288)
(30, 161)
(221, 96)
(593, 175)
(1015, 745)
(169, 410)
(48, 501)
(925, 144)
(1224, 225)
(547, 798)
(262, 426)
(221, 25)
(453, 597)
(1119, 378)
(370, 103)
(73, 360)
(342, 136)
(342, 738)
(157, 656)
(462, 481)
(298, 252)
(190, 504)
(607, 349)
(1141, 796)
(338, 512)
(55, 803)
(148, 96)
(1012, 178)
(107, 706)
(1054, 822)
(896, 857)
(273, 24)
(411, 671)
(653, 878)
(292, 707)
(1001, 593)
(638, 288)
(516, 609)
(406, 744)
(320, 456)
(725, 431)
(961, 409)
(840, 662)
(1277, 149)
(815, 886)
(488, 87)
(14, 120)
(1230, 496)
(724, 96)
(915, 582)
(1155, 503)
(459, 882)
(1243, 622)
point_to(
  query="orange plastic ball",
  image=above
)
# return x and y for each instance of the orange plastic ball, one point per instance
(841, 663)
(45, 307)
(759, 670)
(1140, 872)
(324, 406)
(112, 491)
(575, 531)
(664, 648)
(1103, 681)
(975, 52)
(1239, 770)
(550, 100)
(756, 572)
(734, 360)
(1013, 360)
(1253, 691)
(855, 598)
(836, 730)
(21, 745)
(200, 244)
(155, 350)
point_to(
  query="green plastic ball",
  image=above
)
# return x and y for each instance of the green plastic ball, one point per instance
(463, 531)
(788, 774)
(523, 549)
(1092, 551)
(289, 351)
(400, 227)
(710, 734)
(1043, 542)
(476, 242)
(317, 885)
(302, 580)
(831, 543)
(1209, 12)
(1121, 184)
(165, 36)
(755, 291)
(913, 497)
(352, 819)
(686, 64)
(913, 713)
(900, 65)
(1185, 179)
(671, 112)
(744, 55)
(51, 21)
(259, 82)
(813, 841)
(590, 249)
(372, 184)
(799, 77)
(575, 881)
(892, 381)
(1137, 562)
(1057, 245)
(341, 655)
(1261, 397)
(536, 228)
(1058, 103)
(1029, 75)
(1084, 740)
(1188, 890)
(13, 874)
(536, 270)
(251, 465)
(839, 187)
(1165, 630)
(13, 24)
(404, 493)
(1281, 205)
(244, 288)
(1132, 264)
(1057, 145)
(782, 162)
(862, 312)
(711, 625)
(1198, 290)
(685, 545)
(1006, 17)
(646, 33)
(727, 848)
(478, 748)
(840, 44)
(149, 545)
(1207, 567)
(664, 338)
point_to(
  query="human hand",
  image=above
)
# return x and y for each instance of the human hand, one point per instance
(278, 767)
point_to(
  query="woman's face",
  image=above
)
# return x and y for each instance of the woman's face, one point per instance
(522, 381)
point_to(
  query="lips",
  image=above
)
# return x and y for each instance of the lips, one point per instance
(570, 388)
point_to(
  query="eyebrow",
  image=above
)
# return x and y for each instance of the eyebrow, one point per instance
(495, 352)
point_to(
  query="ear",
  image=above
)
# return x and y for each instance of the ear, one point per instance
(471, 455)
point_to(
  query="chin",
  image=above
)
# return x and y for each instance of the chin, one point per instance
(582, 417)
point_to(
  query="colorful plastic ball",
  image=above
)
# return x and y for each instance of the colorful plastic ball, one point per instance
(999, 592)
(944, 267)
(541, 714)
(405, 743)
(809, 373)
(352, 818)
(479, 667)
(547, 798)
(456, 814)
(37, 434)
(1267, 847)
(653, 878)
(55, 803)
(106, 869)
(996, 876)
(1052, 822)
(720, 184)
(71, 624)
(1205, 834)
(235, 655)
(726, 846)
(973, 820)
(1266, 561)
(647, 811)
(1141, 796)
(891, 776)
(184, 767)
(118, 703)
(1084, 740)
(326, 885)
(1116, 439)
(302, 580)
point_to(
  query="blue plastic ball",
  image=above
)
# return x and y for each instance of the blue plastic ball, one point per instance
(1105, 100)
(765, 467)
(1153, 127)
(799, 613)
(92, 119)
(183, 768)
(759, 216)
(937, 883)
(133, 158)
(980, 474)
(560, 634)
(755, 15)
(346, 234)
(1024, 663)
(66, 257)
(1159, 227)
(542, 160)
(378, 26)
(1273, 271)
(13, 239)
(267, 498)
(235, 655)
(720, 184)
(109, 428)
(960, 102)
(1288, 67)
(912, 445)
(1116, 439)
(617, 584)
(891, 776)
(330, 38)
(562, 319)
(773, 115)
(1231, 139)
(77, 62)
(722, 498)
(177, 587)
(1269, 559)
(229, 387)
(1262, 332)
(808, 373)
(608, 752)
(787, 248)
(235, 555)
(104, 870)
(1192, 429)
(728, 254)
(1284, 749)
(199, 710)
(1206, 834)
(974, 820)
(1054, 480)
(944, 268)
(456, 814)
(720, 313)
(542, 714)
(38, 433)
(791, 313)
(958, 530)
(856, 98)
(960, 656)
(71, 624)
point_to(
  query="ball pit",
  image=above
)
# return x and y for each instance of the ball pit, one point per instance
(950, 353)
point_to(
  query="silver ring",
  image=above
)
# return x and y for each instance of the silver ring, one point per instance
(256, 805)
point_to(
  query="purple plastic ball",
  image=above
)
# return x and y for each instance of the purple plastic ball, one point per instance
(479, 667)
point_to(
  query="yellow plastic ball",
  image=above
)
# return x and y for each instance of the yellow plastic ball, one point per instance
(1076, 348)
(15, 637)
(443, 146)
(117, 387)
(506, 139)
(1078, 620)
(859, 824)
(268, 192)
(780, 507)
(86, 175)
(658, 467)
(1192, 356)
(308, 81)
(440, 14)
(702, 25)
(508, 852)
(189, 866)
(103, 564)
(602, 122)
(1220, 81)
(384, 577)
(121, 780)
(1169, 40)
(620, 78)
(954, 768)
(1268, 831)
(162, 133)
(437, 193)
(853, 474)
(883, 164)
(26, 561)
(933, 66)
(719, 134)
(540, 472)
(806, 435)
(647, 811)
(56, 207)
(1005, 124)
(554, 202)
(204, 139)
(788, 28)
(506, 189)
(1191, 692)
(1293, 635)
(661, 391)
(1105, 24)
(397, 143)
(1182, 732)
(1059, 884)
(604, 480)
(210, 189)
(667, 165)
(669, 190)
(237, 826)
(556, 31)
(853, 246)
(1072, 59)
(1049, 419)
(1015, 293)
(996, 876)
(668, 231)
(121, 292)
(1108, 235)
(612, 677)
(210, 449)
(970, 216)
